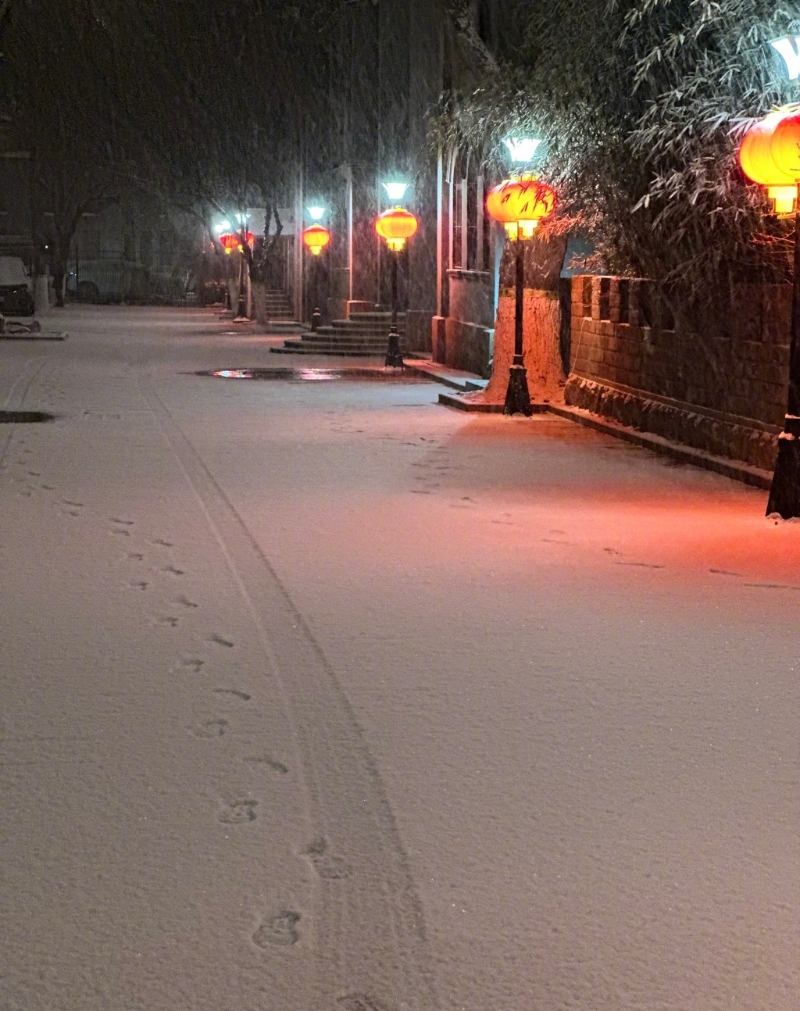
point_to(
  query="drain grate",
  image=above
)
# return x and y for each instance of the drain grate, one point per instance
(320, 375)
(24, 417)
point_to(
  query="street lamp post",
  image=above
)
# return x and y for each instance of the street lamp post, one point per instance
(770, 155)
(519, 203)
(784, 494)
(315, 238)
(242, 241)
(395, 226)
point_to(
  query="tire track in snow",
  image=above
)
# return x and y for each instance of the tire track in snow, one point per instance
(367, 931)
(15, 398)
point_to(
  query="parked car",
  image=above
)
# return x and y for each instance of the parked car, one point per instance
(119, 280)
(100, 280)
(16, 288)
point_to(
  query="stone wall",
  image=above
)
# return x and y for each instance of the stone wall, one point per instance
(464, 338)
(722, 392)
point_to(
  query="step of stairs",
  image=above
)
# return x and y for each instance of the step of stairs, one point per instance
(324, 350)
(363, 334)
(277, 305)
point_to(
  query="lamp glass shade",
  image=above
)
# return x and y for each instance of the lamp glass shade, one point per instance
(520, 203)
(521, 149)
(396, 190)
(395, 226)
(315, 212)
(788, 47)
(316, 238)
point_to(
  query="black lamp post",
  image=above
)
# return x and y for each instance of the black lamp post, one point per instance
(784, 493)
(395, 226)
(518, 400)
(315, 238)
(519, 203)
(393, 356)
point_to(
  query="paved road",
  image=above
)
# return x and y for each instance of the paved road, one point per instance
(319, 695)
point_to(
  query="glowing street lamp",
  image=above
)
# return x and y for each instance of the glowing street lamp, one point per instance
(770, 155)
(315, 238)
(520, 203)
(315, 212)
(395, 226)
(522, 149)
(236, 240)
(395, 190)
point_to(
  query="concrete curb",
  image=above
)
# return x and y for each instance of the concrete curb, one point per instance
(737, 470)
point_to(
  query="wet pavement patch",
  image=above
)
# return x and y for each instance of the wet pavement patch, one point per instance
(320, 375)
(24, 417)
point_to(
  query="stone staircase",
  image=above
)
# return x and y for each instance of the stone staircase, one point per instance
(363, 334)
(276, 305)
(278, 313)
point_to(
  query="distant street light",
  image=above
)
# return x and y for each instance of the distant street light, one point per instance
(520, 203)
(395, 226)
(315, 212)
(233, 240)
(316, 238)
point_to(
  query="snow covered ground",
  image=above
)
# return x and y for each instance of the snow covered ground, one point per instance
(322, 696)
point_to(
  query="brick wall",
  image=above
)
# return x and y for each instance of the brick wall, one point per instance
(723, 392)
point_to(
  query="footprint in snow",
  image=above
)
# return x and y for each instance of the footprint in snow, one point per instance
(270, 763)
(221, 640)
(642, 565)
(191, 663)
(279, 929)
(238, 812)
(359, 1002)
(233, 691)
(210, 728)
(330, 867)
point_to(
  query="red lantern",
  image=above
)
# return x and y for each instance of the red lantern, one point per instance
(396, 225)
(233, 240)
(520, 203)
(765, 158)
(316, 238)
